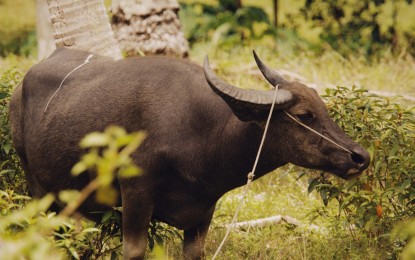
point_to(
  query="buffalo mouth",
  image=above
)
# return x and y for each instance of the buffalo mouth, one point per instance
(349, 166)
(345, 174)
(351, 174)
(352, 165)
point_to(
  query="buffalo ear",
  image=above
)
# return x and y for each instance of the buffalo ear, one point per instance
(247, 104)
(249, 115)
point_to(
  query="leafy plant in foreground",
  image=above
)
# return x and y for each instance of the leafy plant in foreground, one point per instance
(31, 233)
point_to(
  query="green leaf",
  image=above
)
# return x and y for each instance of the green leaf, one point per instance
(129, 171)
(6, 148)
(3, 95)
(90, 159)
(67, 196)
(324, 196)
(94, 139)
(79, 168)
(73, 253)
(107, 216)
(6, 171)
(91, 230)
(107, 195)
(105, 173)
(115, 131)
(124, 140)
(313, 183)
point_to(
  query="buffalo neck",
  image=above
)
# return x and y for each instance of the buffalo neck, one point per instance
(237, 151)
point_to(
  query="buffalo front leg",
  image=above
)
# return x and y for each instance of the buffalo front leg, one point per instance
(194, 238)
(136, 215)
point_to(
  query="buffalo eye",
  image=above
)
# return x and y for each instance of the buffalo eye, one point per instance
(306, 117)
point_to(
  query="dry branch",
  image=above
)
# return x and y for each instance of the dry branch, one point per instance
(257, 223)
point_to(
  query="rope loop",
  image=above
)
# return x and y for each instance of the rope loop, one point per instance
(250, 176)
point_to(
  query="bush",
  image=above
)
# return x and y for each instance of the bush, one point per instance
(385, 193)
(360, 26)
(225, 25)
(11, 175)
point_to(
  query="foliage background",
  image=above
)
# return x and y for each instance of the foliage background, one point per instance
(319, 42)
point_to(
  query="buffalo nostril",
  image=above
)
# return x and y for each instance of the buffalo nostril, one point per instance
(358, 158)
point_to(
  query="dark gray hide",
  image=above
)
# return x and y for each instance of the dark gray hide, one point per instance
(199, 146)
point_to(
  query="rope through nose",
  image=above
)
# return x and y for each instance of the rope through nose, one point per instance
(317, 133)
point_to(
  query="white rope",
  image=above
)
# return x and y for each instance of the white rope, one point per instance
(250, 177)
(60, 86)
(317, 133)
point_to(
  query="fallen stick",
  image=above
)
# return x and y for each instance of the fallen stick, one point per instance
(257, 223)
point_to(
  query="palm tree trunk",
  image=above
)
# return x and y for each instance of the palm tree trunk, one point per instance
(83, 24)
(149, 27)
(44, 32)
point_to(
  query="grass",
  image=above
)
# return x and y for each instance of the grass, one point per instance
(393, 75)
(279, 193)
(21, 62)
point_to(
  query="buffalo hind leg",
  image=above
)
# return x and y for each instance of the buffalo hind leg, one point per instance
(136, 215)
(194, 238)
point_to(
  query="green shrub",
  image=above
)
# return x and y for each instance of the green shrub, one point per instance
(367, 26)
(385, 193)
(405, 231)
(225, 25)
(11, 175)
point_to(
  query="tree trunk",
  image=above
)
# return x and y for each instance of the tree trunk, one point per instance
(276, 13)
(84, 25)
(239, 4)
(149, 27)
(44, 32)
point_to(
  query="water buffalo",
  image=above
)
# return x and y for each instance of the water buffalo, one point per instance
(203, 135)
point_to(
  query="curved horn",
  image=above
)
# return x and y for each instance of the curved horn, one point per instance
(271, 75)
(246, 98)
